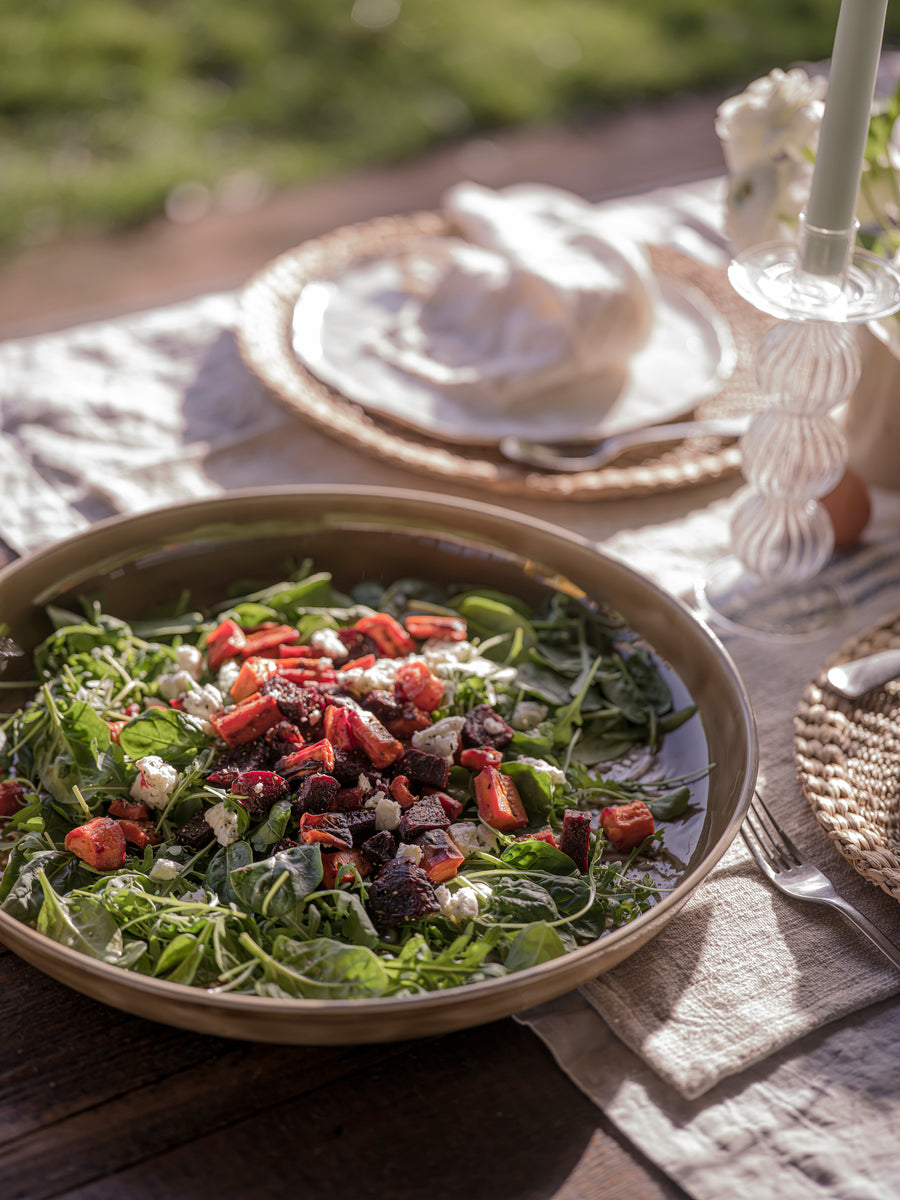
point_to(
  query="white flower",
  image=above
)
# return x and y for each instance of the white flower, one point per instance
(776, 117)
(764, 202)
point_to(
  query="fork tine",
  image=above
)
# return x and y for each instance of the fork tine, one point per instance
(782, 844)
(751, 841)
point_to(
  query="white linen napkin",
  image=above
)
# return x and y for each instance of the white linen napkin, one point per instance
(535, 298)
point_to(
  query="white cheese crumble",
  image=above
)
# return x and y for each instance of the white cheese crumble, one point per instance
(387, 814)
(441, 738)
(200, 896)
(381, 677)
(189, 658)
(458, 906)
(155, 782)
(176, 684)
(164, 869)
(202, 702)
(228, 673)
(223, 822)
(407, 850)
(327, 642)
(557, 775)
(527, 714)
(470, 836)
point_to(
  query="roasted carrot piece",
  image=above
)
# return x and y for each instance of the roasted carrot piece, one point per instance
(337, 726)
(498, 800)
(421, 686)
(377, 743)
(253, 673)
(246, 721)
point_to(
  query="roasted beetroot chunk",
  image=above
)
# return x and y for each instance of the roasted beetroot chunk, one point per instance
(195, 833)
(380, 848)
(259, 790)
(424, 815)
(316, 795)
(401, 892)
(423, 770)
(575, 837)
(358, 644)
(484, 727)
(349, 765)
(361, 825)
(251, 756)
(302, 706)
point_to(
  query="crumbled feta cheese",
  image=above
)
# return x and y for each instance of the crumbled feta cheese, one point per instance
(228, 673)
(363, 784)
(381, 676)
(189, 658)
(557, 775)
(527, 714)
(447, 659)
(387, 814)
(458, 906)
(155, 781)
(407, 850)
(223, 822)
(200, 896)
(164, 869)
(327, 642)
(441, 738)
(470, 837)
(494, 725)
(175, 685)
(203, 701)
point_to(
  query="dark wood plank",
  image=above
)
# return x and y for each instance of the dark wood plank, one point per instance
(95, 1104)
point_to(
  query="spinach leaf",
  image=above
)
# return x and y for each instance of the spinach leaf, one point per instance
(275, 885)
(532, 854)
(516, 899)
(534, 786)
(534, 944)
(322, 968)
(80, 922)
(218, 872)
(172, 735)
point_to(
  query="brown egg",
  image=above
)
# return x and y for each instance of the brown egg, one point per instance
(849, 507)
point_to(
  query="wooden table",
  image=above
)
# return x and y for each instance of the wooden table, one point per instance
(98, 1104)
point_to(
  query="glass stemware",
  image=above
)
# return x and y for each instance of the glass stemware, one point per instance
(819, 289)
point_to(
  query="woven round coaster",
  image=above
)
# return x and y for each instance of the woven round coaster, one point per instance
(848, 758)
(264, 340)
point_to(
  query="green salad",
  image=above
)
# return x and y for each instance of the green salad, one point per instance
(307, 793)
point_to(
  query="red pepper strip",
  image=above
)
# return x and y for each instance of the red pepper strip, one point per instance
(270, 641)
(417, 683)
(387, 633)
(225, 641)
(627, 825)
(424, 625)
(337, 727)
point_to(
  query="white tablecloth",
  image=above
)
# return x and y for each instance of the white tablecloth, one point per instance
(129, 414)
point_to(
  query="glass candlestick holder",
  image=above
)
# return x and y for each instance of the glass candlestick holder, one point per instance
(820, 289)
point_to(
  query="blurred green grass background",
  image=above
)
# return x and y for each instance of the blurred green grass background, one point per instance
(112, 111)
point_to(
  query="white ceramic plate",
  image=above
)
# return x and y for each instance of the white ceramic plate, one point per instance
(689, 356)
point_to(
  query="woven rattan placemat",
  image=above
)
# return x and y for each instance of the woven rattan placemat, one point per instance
(848, 756)
(264, 339)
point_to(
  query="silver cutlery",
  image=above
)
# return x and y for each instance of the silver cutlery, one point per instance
(853, 679)
(550, 456)
(778, 858)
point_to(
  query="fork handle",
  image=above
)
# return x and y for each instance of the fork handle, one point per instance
(866, 928)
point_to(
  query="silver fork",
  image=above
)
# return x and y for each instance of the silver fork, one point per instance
(778, 858)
